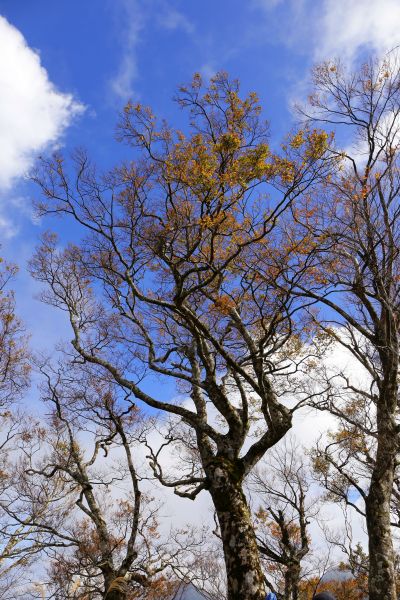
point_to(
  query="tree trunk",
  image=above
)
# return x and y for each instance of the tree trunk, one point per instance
(245, 579)
(292, 578)
(382, 580)
(115, 595)
(116, 588)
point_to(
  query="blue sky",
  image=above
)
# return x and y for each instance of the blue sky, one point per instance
(67, 68)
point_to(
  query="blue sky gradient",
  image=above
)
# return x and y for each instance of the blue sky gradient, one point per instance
(99, 53)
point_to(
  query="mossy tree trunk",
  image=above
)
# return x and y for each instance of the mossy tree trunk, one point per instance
(382, 576)
(244, 573)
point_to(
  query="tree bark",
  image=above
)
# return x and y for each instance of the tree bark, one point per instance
(382, 579)
(115, 595)
(292, 578)
(245, 579)
(116, 588)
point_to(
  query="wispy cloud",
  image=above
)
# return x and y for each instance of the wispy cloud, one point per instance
(134, 17)
(15, 213)
(336, 28)
(33, 113)
(172, 19)
(208, 70)
(348, 28)
(8, 228)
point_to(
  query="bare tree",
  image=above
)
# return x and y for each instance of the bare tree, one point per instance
(19, 546)
(78, 494)
(355, 562)
(16, 548)
(14, 355)
(352, 230)
(286, 508)
(181, 242)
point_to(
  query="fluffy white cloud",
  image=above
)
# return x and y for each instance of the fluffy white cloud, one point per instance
(33, 113)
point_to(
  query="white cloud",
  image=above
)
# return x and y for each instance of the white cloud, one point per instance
(33, 113)
(309, 426)
(348, 27)
(336, 28)
(208, 70)
(173, 19)
(133, 23)
(8, 228)
(15, 210)
(134, 16)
